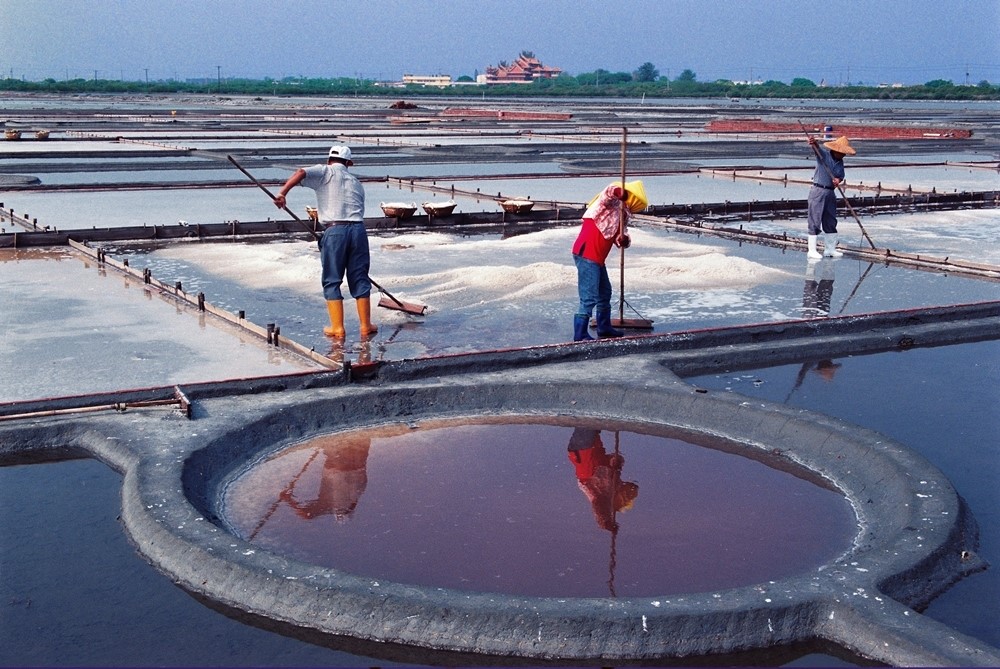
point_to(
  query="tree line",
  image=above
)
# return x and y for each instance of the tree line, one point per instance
(644, 81)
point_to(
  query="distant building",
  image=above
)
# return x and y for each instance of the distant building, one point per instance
(439, 80)
(524, 70)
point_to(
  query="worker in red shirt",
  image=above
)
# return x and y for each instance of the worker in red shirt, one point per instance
(605, 225)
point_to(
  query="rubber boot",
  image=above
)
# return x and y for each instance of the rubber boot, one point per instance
(830, 245)
(336, 309)
(365, 316)
(604, 329)
(813, 253)
(580, 324)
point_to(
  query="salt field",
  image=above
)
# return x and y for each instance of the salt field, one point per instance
(80, 591)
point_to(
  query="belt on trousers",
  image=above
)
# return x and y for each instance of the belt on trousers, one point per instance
(330, 225)
(822, 186)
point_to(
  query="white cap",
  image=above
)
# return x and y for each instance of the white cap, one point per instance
(341, 152)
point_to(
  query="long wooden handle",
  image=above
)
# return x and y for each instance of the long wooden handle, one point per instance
(271, 195)
(621, 233)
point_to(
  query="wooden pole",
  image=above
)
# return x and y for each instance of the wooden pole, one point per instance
(621, 321)
(621, 232)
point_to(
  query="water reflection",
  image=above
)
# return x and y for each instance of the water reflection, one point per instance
(816, 297)
(367, 349)
(600, 478)
(342, 480)
(818, 290)
(488, 506)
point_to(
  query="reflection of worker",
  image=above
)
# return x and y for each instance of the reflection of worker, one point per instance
(826, 369)
(818, 289)
(822, 200)
(816, 297)
(342, 481)
(599, 477)
(340, 199)
(602, 229)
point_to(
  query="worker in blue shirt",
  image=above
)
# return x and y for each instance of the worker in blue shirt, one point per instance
(828, 177)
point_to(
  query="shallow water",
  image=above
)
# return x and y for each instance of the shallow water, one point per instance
(69, 328)
(538, 509)
(75, 593)
(939, 401)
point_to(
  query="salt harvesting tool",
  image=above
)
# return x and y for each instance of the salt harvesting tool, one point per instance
(388, 301)
(622, 322)
(839, 187)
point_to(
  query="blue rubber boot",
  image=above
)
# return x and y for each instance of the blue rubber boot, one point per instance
(604, 328)
(580, 324)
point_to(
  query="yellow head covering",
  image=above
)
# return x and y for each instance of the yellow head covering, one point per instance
(635, 196)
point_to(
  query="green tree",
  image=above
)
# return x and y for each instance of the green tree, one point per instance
(687, 76)
(805, 83)
(646, 72)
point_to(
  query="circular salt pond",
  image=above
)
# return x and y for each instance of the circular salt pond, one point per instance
(539, 509)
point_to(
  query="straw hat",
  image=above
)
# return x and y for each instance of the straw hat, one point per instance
(840, 145)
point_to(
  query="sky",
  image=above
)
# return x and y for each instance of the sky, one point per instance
(833, 41)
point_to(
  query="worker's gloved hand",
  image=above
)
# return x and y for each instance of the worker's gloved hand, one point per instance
(625, 241)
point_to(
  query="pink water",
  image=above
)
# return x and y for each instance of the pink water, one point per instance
(539, 509)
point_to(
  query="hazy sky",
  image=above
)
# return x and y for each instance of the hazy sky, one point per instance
(860, 41)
